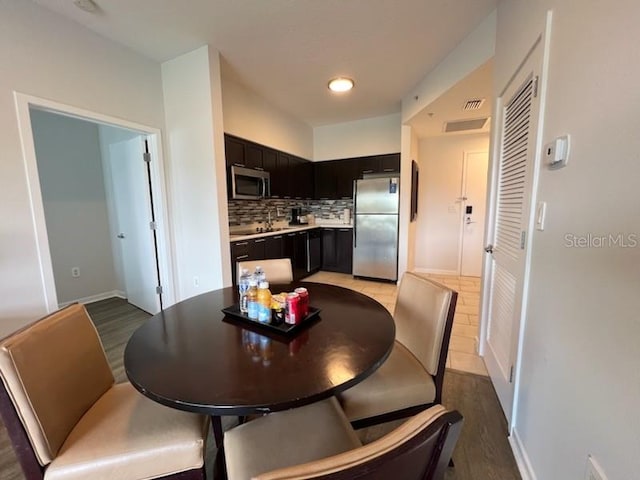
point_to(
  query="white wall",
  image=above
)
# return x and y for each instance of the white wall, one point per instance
(247, 115)
(438, 226)
(191, 90)
(49, 57)
(72, 185)
(580, 380)
(360, 138)
(471, 53)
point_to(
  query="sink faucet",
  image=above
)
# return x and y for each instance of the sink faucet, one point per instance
(269, 223)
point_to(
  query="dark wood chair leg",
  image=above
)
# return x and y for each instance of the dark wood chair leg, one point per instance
(216, 425)
(451, 464)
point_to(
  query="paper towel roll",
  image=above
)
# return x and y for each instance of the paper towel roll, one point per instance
(346, 215)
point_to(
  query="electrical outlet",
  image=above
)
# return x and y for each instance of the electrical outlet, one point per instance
(75, 272)
(594, 471)
(196, 281)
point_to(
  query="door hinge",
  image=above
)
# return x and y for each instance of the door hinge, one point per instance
(535, 86)
(159, 289)
(152, 225)
(146, 156)
(523, 239)
(511, 374)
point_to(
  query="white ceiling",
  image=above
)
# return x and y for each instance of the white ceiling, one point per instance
(286, 50)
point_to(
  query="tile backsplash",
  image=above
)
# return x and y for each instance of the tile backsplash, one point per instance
(246, 212)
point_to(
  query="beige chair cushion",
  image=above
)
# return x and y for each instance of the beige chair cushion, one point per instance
(54, 371)
(127, 436)
(276, 270)
(353, 458)
(420, 315)
(273, 441)
(400, 382)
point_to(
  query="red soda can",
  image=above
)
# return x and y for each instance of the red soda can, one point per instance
(304, 300)
(292, 313)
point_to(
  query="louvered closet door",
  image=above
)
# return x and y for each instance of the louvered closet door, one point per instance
(512, 207)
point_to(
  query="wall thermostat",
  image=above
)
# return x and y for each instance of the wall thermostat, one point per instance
(556, 152)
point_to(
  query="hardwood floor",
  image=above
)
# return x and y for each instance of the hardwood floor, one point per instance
(482, 452)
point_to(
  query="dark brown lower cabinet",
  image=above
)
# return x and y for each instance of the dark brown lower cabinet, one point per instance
(337, 249)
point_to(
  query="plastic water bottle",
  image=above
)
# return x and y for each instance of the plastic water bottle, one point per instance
(259, 274)
(252, 299)
(243, 288)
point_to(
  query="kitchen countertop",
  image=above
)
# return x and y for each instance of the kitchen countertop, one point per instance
(235, 237)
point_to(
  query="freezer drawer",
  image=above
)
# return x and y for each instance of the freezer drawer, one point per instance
(375, 246)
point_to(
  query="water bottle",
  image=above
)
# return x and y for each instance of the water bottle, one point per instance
(259, 274)
(243, 288)
(252, 299)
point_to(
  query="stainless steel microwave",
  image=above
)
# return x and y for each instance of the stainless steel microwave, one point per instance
(249, 184)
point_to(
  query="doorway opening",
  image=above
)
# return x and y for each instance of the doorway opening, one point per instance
(97, 199)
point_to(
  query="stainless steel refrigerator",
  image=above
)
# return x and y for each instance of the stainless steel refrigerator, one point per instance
(375, 229)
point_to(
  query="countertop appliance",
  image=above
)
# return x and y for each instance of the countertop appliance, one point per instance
(249, 184)
(375, 229)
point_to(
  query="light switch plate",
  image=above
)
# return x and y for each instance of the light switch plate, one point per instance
(541, 214)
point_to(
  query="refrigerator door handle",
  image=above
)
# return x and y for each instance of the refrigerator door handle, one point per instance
(355, 213)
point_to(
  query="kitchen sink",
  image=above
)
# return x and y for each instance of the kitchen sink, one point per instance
(253, 231)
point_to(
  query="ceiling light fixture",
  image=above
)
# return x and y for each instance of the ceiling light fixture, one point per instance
(340, 84)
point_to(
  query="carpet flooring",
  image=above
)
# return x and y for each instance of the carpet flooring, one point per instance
(482, 452)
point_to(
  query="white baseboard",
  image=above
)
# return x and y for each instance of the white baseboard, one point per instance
(434, 271)
(96, 298)
(522, 459)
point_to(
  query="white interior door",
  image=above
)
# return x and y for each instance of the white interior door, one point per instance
(512, 190)
(130, 183)
(474, 194)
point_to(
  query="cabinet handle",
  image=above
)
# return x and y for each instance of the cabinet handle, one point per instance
(240, 244)
(389, 170)
(239, 164)
(259, 240)
(345, 230)
(291, 234)
(367, 171)
(259, 168)
(278, 237)
(242, 257)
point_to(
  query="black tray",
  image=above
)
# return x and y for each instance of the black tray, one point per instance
(234, 312)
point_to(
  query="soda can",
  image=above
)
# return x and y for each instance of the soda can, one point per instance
(292, 313)
(304, 301)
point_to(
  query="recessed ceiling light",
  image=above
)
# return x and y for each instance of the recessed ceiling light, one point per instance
(340, 84)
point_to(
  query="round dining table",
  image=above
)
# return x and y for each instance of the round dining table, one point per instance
(193, 357)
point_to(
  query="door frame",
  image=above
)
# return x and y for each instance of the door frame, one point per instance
(543, 42)
(23, 103)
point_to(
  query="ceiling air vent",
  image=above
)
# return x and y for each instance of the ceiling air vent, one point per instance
(473, 104)
(463, 125)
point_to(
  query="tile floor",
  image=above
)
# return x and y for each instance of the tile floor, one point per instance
(462, 347)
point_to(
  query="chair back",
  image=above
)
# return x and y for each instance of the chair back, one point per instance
(424, 316)
(277, 270)
(419, 449)
(53, 371)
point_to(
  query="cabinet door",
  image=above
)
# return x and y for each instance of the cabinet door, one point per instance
(390, 163)
(368, 165)
(279, 176)
(346, 171)
(329, 249)
(325, 180)
(234, 149)
(253, 156)
(306, 179)
(344, 250)
(239, 253)
(300, 255)
(287, 246)
(295, 177)
(273, 247)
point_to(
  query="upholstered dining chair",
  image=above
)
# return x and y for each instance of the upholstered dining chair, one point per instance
(67, 420)
(277, 270)
(317, 441)
(410, 380)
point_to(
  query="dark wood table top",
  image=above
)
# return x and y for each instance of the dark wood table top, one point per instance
(189, 358)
